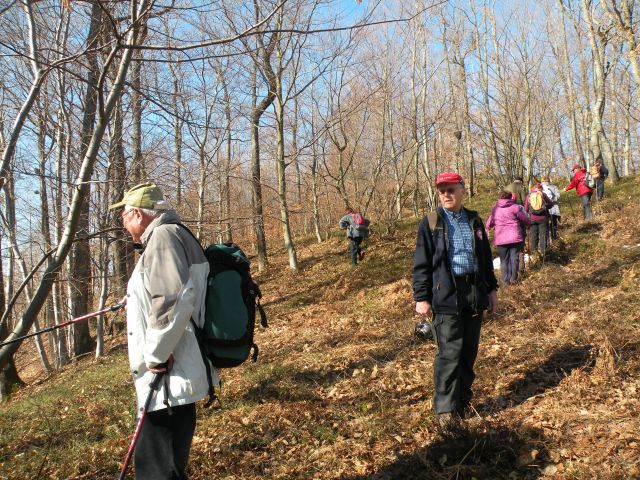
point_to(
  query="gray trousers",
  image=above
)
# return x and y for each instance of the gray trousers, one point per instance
(458, 337)
(586, 205)
(538, 236)
(163, 447)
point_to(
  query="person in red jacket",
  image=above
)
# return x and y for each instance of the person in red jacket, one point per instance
(582, 190)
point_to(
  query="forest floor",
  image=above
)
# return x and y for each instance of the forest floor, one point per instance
(341, 389)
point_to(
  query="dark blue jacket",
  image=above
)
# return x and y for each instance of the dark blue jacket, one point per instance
(433, 280)
(604, 173)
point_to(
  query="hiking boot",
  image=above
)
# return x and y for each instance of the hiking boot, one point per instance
(448, 420)
(465, 412)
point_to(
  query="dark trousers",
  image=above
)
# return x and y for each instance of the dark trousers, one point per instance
(163, 447)
(553, 224)
(600, 188)
(538, 236)
(521, 265)
(354, 249)
(509, 261)
(458, 337)
(586, 205)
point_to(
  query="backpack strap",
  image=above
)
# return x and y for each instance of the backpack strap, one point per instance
(263, 315)
(207, 366)
(199, 337)
(433, 219)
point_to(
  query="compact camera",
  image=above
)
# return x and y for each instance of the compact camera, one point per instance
(423, 331)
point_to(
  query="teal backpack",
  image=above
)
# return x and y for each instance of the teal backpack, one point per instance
(231, 301)
(230, 308)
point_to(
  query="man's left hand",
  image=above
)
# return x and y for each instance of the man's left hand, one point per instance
(165, 367)
(493, 301)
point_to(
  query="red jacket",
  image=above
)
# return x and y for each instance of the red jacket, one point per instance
(577, 182)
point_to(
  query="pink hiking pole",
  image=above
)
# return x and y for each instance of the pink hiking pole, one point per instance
(112, 308)
(153, 387)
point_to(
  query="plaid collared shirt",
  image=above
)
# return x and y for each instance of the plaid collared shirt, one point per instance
(460, 243)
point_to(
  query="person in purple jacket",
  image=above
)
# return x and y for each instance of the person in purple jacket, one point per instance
(509, 220)
(539, 219)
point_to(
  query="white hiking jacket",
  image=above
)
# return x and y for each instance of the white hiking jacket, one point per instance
(553, 193)
(167, 289)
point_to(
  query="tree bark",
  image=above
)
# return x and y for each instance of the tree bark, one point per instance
(600, 145)
(8, 374)
(257, 110)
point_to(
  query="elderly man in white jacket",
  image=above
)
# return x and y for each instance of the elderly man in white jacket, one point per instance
(167, 289)
(553, 193)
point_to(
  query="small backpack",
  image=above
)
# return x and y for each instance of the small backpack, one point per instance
(537, 204)
(589, 181)
(360, 228)
(230, 308)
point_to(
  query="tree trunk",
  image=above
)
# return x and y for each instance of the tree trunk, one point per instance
(468, 143)
(8, 374)
(600, 145)
(80, 261)
(63, 146)
(567, 78)
(138, 169)
(122, 248)
(627, 129)
(281, 166)
(225, 188)
(178, 123)
(257, 110)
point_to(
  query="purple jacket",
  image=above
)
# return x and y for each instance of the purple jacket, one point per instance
(508, 218)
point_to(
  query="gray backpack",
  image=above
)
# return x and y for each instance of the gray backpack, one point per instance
(589, 181)
(360, 226)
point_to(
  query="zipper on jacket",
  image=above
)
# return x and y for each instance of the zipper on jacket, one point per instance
(445, 233)
(474, 287)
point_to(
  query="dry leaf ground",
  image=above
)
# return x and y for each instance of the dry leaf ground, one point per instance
(342, 391)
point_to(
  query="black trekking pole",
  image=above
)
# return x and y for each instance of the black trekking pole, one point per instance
(112, 308)
(153, 387)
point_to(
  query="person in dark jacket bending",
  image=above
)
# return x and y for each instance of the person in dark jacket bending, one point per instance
(453, 281)
(603, 174)
(355, 232)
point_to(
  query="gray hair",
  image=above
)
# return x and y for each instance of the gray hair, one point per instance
(151, 212)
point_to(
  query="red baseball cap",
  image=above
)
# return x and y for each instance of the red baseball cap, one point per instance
(449, 177)
(575, 167)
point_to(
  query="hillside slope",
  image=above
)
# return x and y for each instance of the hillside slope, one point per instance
(342, 391)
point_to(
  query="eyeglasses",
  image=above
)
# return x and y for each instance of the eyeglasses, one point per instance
(444, 191)
(125, 213)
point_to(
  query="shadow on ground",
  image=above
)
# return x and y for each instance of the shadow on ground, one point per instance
(588, 227)
(541, 377)
(608, 276)
(307, 385)
(481, 452)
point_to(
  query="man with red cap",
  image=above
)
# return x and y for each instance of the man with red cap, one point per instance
(578, 182)
(453, 281)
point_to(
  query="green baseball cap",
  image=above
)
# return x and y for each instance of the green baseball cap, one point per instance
(145, 195)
